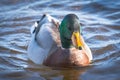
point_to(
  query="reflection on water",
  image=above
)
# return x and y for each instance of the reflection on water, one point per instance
(57, 73)
(101, 30)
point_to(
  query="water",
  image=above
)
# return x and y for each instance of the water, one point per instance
(101, 30)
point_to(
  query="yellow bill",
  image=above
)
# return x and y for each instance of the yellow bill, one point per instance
(76, 40)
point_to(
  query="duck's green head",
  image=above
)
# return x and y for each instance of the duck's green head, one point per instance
(70, 30)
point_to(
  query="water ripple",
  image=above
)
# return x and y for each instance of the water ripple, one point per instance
(101, 30)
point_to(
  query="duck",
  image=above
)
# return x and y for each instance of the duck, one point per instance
(58, 44)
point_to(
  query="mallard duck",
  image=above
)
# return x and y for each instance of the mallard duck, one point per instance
(58, 44)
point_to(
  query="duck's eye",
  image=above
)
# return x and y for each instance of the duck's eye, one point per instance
(70, 28)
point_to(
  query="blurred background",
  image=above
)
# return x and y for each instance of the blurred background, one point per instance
(101, 30)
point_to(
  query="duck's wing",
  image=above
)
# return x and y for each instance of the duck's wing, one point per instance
(44, 31)
(50, 25)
